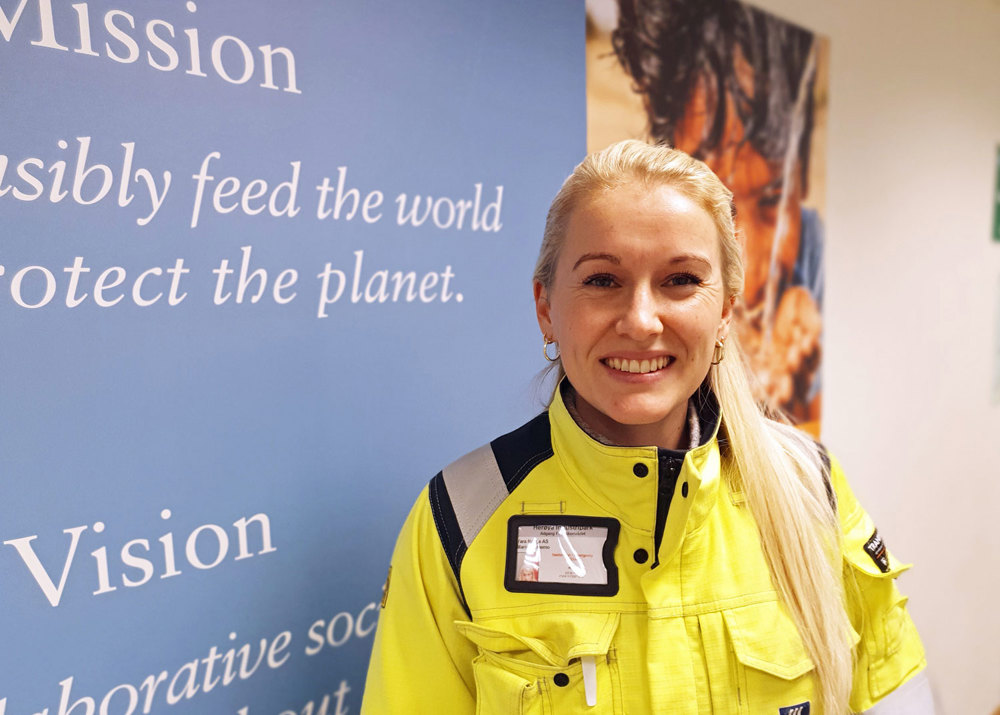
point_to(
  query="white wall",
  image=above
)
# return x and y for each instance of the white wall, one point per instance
(912, 307)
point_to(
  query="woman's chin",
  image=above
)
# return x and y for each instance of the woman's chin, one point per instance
(643, 410)
(638, 422)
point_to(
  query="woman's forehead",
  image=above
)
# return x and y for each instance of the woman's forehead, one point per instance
(639, 214)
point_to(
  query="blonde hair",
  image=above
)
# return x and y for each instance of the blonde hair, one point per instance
(779, 470)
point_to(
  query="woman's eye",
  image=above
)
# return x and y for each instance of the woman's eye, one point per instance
(769, 199)
(600, 280)
(684, 279)
(770, 194)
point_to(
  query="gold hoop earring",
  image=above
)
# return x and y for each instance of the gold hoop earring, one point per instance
(720, 352)
(545, 349)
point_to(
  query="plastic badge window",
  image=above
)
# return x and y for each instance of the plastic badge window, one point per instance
(562, 554)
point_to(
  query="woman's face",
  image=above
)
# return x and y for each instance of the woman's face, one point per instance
(636, 306)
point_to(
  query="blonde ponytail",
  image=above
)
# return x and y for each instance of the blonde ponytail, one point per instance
(780, 472)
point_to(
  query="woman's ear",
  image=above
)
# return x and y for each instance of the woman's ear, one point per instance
(727, 317)
(543, 309)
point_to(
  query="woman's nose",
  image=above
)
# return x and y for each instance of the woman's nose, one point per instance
(640, 317)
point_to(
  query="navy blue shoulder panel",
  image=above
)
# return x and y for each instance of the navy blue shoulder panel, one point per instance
(447, 527)
(446, 523)
(824, 456)
(520, 451)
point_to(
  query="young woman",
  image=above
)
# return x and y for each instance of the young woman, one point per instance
(652, 543)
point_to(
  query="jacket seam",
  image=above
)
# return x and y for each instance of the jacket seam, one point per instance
(524, 470)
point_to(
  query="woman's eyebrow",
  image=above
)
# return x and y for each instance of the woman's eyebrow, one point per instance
(692, 257)
(610, 258)
(597, 257)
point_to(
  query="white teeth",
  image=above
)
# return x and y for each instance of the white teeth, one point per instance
(636, 366)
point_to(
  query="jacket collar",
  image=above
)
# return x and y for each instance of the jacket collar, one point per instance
(607, 475)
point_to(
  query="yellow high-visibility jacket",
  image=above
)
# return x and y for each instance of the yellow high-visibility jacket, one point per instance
(528, 579)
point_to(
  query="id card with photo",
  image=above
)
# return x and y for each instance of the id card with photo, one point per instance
(562, 554)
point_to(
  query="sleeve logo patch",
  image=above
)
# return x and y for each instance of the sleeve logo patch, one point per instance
(800, 709)
(385, 588)
(875, 548)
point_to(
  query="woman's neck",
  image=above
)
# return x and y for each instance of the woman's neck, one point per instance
(684, 435)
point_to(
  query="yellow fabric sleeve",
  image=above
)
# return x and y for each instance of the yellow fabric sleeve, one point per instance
(889, 652)
(420, 663)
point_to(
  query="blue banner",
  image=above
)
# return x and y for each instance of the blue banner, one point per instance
(264, 269)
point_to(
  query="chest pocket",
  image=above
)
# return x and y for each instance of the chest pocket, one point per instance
(772, 668)
(546, 664)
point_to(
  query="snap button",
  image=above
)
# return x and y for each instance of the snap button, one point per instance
(684, 489)
(640, 556)
(560, 679)
(639, 469)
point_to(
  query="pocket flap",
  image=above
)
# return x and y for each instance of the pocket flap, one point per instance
(765, 638)
(866, 552)
(555, 638)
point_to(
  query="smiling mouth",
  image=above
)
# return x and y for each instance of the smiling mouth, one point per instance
(638, 366)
